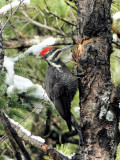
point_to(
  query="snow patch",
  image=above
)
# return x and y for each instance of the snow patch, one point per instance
(25, 133)
(22, 85)
(66, 155)
(36, 49)
(37, 138)
(12, 5)
(116, 16)
(26, 2)
(115, 38)
(9, 65)
(18, 84)
(21, 128)
(77, 111)
(39, 93)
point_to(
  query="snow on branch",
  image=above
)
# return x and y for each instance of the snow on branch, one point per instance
(67, 155)
(36, 49)
(12, 5)
(9, 65)
(38, 142)
(21, 85)
(18, 84)
(26, 135)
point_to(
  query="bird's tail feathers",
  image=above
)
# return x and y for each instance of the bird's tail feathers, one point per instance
(69, 125)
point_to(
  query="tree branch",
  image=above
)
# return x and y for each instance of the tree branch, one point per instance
(14, 135)
(71, 5)
(9, 135)
(116, 44)
(26, 135)
(42, 25)
(56, 155)
(48, 12)
(25, 42)
(11, 15)
(36, 141)
(17, 139)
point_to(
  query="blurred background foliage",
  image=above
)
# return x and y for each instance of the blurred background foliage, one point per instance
(59, 19)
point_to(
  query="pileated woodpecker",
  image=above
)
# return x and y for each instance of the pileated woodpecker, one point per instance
(61, 85)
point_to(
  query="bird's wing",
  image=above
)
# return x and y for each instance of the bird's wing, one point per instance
(61, 99)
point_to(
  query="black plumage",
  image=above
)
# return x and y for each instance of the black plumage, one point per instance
(61, 86)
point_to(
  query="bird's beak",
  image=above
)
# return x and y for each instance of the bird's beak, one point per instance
(65, 48)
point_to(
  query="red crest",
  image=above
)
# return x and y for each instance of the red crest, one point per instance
(45, 50)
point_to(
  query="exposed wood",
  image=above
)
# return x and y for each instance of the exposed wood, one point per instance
(115, 30)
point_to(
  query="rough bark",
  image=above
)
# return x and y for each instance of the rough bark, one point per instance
(99, 108)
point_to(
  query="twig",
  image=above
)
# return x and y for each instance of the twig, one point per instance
(42, 25)
(28, 22)
(16, 137)
(71, 5)
(118, 58)
(60, 18)
(11, 139)
(10, 132)
(11, 15)
(48, 12)
(26, 135)
(4, 137)
(20, 41)
(56, 155)
(35, 141)
(116, 44)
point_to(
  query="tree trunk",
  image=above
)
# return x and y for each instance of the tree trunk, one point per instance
(99, 108)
